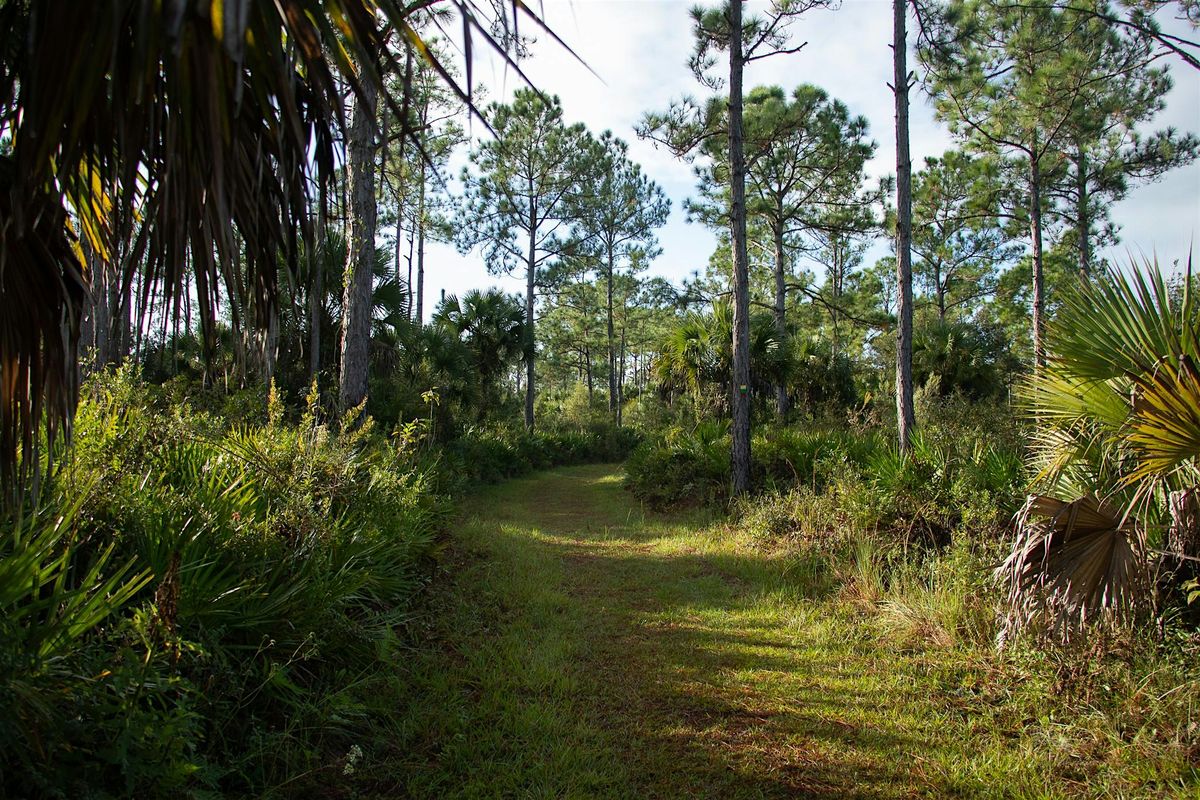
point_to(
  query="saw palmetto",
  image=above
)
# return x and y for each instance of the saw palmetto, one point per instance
(1117, 409)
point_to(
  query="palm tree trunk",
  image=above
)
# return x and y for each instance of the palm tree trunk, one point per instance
(356, 304)
(905, 414)
(740, 454)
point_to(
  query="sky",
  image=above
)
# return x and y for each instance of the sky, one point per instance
(639, 49)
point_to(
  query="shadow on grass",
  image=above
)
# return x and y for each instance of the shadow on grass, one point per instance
(690, 667)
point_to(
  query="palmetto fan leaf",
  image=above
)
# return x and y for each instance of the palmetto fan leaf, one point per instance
(1124, 324)
(1127, 345)
(1077, 559)
(1118, 415)
(1165, 424)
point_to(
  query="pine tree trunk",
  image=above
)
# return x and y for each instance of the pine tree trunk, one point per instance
(421, 249)
(905, 415)
(270, 345)
(98, 322)
(621, 381)
(356, 303)
(942, 289)
(781, 392)
(408, 281)
(613, 404)
(1083, 213)
(316, 290)
(587, 362)
(1035, 236)
(740, 455)
(530, 346)
(110, 343)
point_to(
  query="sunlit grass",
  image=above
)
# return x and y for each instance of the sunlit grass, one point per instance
(585, 647)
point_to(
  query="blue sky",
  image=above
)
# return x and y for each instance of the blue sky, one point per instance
(639, 48)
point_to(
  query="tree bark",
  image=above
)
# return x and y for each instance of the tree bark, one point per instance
(621, 381)
(316, 290)
(1082, 212)
(1035, 236)
(421, 249)
(97, 322)
(270, 345)
(587, 362)
(408, 280)
(530, 342)
(905, 415)
(613, 403)
(941, 287)
(781, 392)
(356, 303)
(740, 453)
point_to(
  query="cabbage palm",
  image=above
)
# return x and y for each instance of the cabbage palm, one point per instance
(492, 325)
(697, 352)
(1118, 417)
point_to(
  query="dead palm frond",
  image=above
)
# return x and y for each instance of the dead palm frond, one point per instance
(1077, 560)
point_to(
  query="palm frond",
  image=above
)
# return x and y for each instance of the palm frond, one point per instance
(1074, 561)
(1165, 424)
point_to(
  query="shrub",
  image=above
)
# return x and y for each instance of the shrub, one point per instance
(957, 474)
(682, 466)
(191, 601)
(491, 453)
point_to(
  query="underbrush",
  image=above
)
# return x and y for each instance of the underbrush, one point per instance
(207, 602)
(488, 454)
(203, 606)
(818, 478)
(1114, 712)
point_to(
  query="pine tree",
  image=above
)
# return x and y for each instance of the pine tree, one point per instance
(522, 196)
(620, 211)
(685, 129)
(1012, 79)
(356, 303)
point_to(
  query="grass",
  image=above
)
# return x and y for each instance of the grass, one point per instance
(585, 648)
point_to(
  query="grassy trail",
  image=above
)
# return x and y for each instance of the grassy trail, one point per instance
(588, 649)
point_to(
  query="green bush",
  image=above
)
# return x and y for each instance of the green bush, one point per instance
(956, 475)
(682, 466)
(193, 597)
(488, 454)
